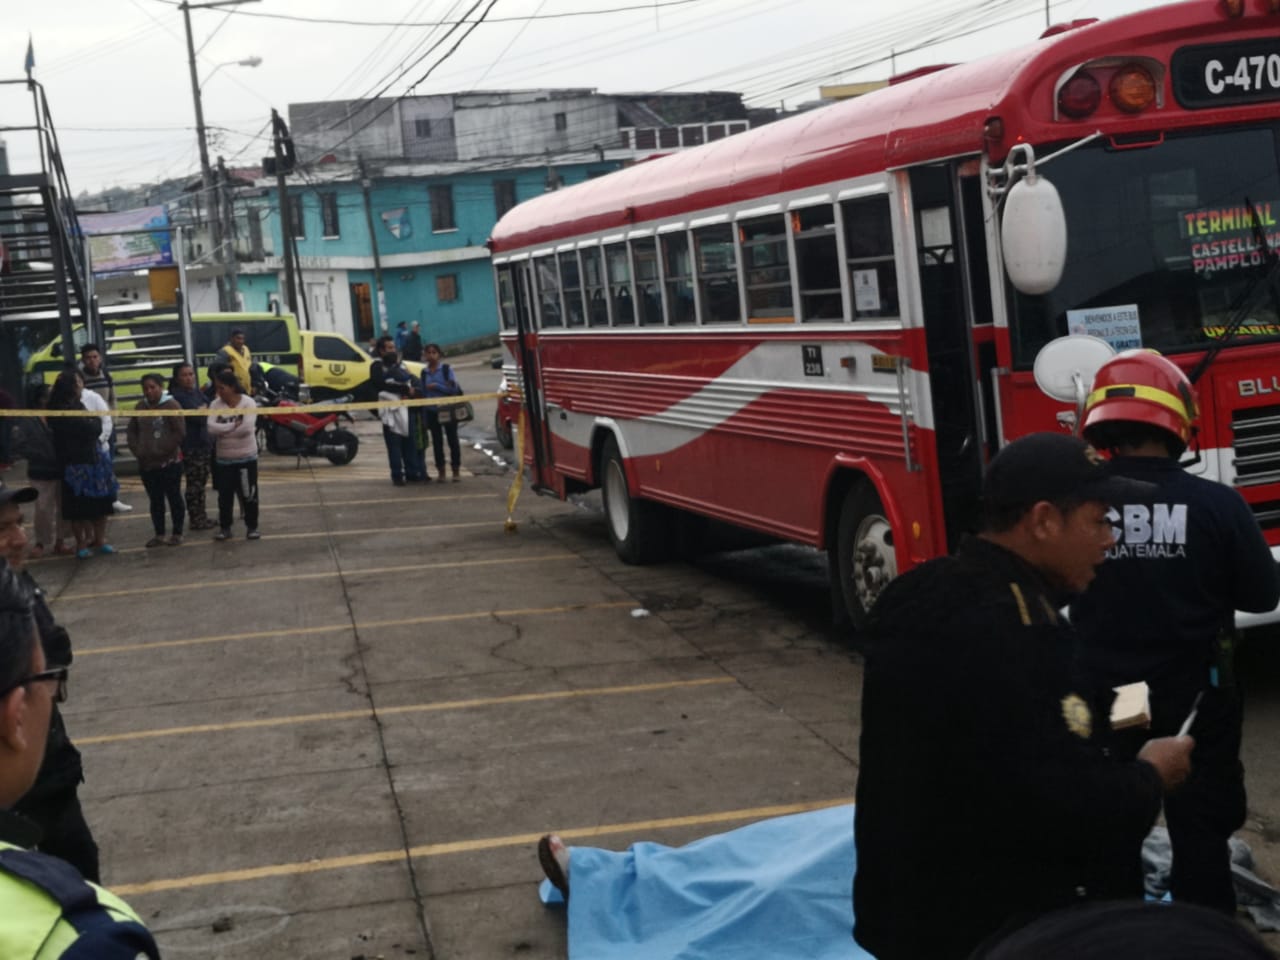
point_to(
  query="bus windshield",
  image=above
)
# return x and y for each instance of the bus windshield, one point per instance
(1160, 244)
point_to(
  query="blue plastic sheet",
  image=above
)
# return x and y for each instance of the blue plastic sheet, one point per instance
(774, 890)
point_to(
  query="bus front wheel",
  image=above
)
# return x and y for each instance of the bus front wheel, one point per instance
(637, 527)
(866, 557)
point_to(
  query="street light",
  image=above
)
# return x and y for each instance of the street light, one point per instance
(206, 174)
(246, 62)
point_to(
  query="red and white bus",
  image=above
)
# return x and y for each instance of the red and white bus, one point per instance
(813, 329)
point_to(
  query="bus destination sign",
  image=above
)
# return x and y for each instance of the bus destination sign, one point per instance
(1223, 74)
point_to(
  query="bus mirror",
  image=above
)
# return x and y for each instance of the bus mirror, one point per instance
(1064, 368)
(1034, 235)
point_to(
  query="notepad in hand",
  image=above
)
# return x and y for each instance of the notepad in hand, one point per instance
(1132, 706)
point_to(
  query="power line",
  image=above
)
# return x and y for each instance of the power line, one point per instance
(448, 53)
(445, 23)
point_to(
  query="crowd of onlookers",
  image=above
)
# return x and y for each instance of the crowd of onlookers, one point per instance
(71, 459)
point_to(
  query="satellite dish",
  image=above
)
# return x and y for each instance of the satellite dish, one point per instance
(1065, 368)
(1033, 235)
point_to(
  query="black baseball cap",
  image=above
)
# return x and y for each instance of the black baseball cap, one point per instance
(17, 494)
(1055, 467)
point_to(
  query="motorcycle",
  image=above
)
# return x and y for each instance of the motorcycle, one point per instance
(300, 434)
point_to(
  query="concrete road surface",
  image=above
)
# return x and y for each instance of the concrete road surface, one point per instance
(344, 740)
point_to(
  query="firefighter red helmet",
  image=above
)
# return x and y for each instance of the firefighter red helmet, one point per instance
(1141, 386)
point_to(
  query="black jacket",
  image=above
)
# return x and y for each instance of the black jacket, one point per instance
(75, 439)
(1185, 558)
(33, 440)
(981, 785)
(62, 768)
(197, 436)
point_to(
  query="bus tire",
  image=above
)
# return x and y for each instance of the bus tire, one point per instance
(865, 552)
(637, 527)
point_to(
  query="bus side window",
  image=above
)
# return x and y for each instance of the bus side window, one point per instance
(593, 287)
(571, 284)
(648, 293)
(818, 262)
(620, 284)
(506, 299)
(679, 278)
(767, 269)
(868, 231)
(544, 269)
(717, 274)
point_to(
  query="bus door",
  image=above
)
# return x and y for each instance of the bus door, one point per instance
(956, 303)
(537, 437)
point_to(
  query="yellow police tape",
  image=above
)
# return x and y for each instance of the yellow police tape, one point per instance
(268, 411)
(513, 494)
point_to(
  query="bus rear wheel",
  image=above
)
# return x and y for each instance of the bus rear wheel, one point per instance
(865, 552)
(637, 527)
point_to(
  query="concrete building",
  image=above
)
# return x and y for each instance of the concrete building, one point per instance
(432, 175)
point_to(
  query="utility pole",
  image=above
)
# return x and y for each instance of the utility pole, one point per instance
(380, 307)
(284, 163)
(228, 208)
(206, 172)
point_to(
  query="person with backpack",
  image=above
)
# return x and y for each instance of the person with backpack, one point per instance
(438, 381)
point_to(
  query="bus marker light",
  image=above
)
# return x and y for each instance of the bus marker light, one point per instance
(993, 132)
(1233, 8)
(1273, 6)
(1080, 96)
(915, 529)
(1132, 88)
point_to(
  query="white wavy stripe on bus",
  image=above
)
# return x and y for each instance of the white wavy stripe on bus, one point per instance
(768, 368)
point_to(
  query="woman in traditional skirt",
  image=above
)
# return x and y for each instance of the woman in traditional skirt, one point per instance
(89, 485)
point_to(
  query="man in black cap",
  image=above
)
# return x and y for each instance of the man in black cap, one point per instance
(983, 797)
(53, 801)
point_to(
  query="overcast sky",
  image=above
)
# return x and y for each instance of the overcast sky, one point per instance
(116, 74)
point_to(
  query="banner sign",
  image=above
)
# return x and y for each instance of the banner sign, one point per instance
(397, 222)
(112, 250)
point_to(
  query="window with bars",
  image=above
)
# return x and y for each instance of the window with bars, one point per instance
(297, 222)
(329, 214)
(504, 196)
(422, 128)
(441, 198)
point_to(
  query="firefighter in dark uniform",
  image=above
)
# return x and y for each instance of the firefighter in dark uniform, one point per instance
(982, 789)
(1187, 555)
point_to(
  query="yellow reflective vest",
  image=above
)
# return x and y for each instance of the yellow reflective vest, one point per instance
(49, 912)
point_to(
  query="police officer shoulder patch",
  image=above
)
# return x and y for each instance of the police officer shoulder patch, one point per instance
(1077, 715)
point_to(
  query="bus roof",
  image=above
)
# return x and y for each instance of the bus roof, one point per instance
(932, 117)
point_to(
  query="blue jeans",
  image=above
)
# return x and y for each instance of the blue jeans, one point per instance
(405, 458)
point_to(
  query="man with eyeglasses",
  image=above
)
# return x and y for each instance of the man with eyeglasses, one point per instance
(47, 909)
(52, 802)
